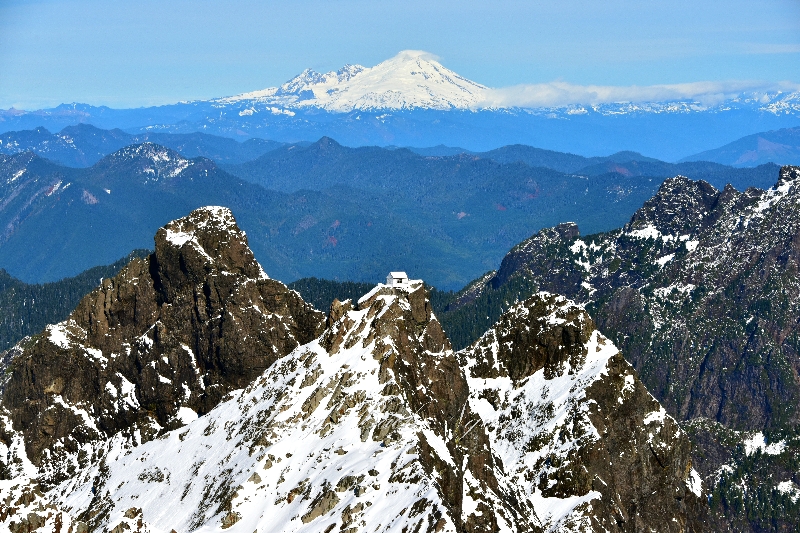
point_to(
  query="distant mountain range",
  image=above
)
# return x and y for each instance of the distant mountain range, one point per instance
(83, 145)
(780, 146)
(326, 163)
(311, 209)
(412, 100)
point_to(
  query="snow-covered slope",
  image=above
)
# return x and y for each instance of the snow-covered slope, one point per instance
(152, 161)
(325, 437)
(411, 79)
(374, 425)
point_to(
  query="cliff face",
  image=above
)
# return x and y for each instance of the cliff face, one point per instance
(192, 392)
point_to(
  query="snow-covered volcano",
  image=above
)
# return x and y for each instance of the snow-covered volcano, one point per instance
(411, 79)
(414, 79)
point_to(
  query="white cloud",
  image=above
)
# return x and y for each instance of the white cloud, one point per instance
(559, 93)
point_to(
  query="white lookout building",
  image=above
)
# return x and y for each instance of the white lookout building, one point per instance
(397, 279)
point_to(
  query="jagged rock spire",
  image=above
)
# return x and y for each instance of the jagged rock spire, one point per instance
(160, 343)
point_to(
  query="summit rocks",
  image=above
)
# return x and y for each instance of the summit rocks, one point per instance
(191, 392)
(159, 344)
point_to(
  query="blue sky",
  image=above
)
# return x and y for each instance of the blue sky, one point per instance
(130, 54)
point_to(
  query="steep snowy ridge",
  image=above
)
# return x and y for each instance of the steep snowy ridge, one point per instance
(192, 393)
(578, 435)
(296, 453)
(323, 438)
(690, 242)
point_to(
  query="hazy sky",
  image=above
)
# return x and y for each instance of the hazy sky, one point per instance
(128, 54)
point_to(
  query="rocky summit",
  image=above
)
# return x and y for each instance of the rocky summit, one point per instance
(701, 291)
(191, 392)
